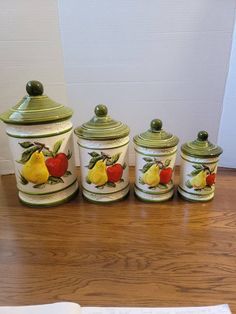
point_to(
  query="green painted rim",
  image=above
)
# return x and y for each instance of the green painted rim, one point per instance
(156, 155)
(197, 194)
(102, 127)
(153, 201)
(100, 148)
(154, 193)
(64, 200)
(48, 193)
(108, 202)
(108, 193)
(156, 137)
(40, 136)
(193, 201)
(199, 162)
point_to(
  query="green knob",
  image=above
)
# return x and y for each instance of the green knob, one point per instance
(100, 110)
(34, 88)
(156, 125)
(202, 136)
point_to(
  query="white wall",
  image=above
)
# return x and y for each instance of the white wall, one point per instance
(30, 48)
(227, 132)
(163, 59)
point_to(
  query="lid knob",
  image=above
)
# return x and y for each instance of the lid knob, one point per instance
(100, 110)
(156, 125)
(34, 88)
(202, 136)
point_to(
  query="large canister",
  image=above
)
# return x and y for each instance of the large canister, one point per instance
(198, 168)
(40, 137)
(103, 149)
(155, 152)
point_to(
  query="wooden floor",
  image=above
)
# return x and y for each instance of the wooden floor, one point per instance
(128, 253)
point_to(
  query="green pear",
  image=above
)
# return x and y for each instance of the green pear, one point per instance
(199, 181)
(151, 177)
(98, 174)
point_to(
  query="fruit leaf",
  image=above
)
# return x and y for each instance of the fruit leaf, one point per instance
(67, 173)
(69, 155)
(188, 184)
(195, 172)
(93, 161)
(167, 162)
(111, 184)
(27, 154)
(207, 188)
(121, 180)
(26, 144)
(162, 186)
(39, 186)
(141, 181)
(147, 159)
(112, 160)
(23, 180)
(152, 187)
(56, 147)
(94, 154)
(124, 165)
(146, 167)
(198, 167)
(47, 153)
(88, 181)
(54, 180)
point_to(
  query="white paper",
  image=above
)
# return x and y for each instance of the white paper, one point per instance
(216, 309)
(54, 308)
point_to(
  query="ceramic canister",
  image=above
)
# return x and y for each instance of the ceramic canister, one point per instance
(198, 168)
(155, 159)
(103, 147)
(40, 136)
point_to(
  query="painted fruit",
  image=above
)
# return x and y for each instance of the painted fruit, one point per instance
(166, 175)
(152, 177)
(211, 179)
(199, 181)
(35, 170)
(57, 165)
(98, 175)
(114, 173)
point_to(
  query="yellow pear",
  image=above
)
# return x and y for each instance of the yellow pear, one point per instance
(152, 176)
(98, 174)
(35, 170)
(199, 181)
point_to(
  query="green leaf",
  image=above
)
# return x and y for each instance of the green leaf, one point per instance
(146, 167)
(167, 162)
(124, 165)
(198, 167)
(112, 160)
(47, 153)
(56, 147)
(23, 180)
(68, 173)
(111, 184)
(141, 180)
(188, 184)
(162, 186)
(54, 180)
(39, 186)
(93, 161)
(26, 144)
(147, 159)
(195, 172)
(88, 181)
(94, 154)
(27, 154)
(69, 155)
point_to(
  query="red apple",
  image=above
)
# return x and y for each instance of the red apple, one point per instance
(57, 165)
(211, 179)
(166, 175)
(114, 173)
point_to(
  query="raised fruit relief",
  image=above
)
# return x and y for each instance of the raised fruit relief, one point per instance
(156, 174)
(42, 165)
(202, 178)
(104, 170)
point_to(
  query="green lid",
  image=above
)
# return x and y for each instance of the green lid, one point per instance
(156, 137)
(102, 127)
(201, 147)
(36, 108)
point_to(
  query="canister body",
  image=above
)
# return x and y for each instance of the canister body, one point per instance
(154, 173)
(197, 177)
(104, 169)
(55, 144)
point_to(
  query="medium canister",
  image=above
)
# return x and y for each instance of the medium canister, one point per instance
(40, 137)
(154, 166)
(103, 149)
(198, 168)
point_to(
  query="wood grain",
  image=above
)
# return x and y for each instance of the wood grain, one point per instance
(127, 253)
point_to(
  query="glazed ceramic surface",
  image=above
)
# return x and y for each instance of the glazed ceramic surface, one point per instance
(198, 169)
(155, 160)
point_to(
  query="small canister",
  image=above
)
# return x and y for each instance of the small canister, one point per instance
(103, 148)
(155, 159)
(198, 168)
(40, 137)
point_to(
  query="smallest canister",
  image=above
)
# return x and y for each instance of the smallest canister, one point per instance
(155, 159)
(198, 168)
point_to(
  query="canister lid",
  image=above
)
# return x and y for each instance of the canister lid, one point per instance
(156, 137)
(201, 147)
(36, 108)
(102, 127)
